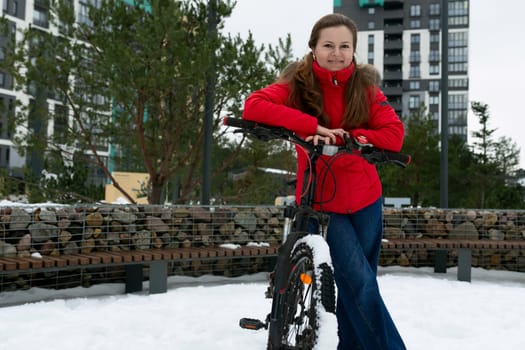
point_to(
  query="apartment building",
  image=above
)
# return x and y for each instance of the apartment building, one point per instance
(21, 15)
(402, 39)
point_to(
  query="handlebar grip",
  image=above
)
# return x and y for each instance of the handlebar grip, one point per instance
(260, 131)
(398, 158)
(238, 123)
(379, 156)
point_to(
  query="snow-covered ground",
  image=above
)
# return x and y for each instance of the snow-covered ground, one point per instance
(432, 311)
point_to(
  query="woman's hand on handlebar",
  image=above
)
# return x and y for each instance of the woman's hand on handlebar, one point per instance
(328, 136)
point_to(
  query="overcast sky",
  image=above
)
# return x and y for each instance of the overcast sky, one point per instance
(496, 54)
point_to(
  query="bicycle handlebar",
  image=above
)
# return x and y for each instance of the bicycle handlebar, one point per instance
(370, 153)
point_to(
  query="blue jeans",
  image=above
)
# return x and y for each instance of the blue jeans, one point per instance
(363, 319)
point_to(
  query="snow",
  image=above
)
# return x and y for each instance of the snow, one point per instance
(249, 244)
(432, 311)
(327, 321)
(321, 253)
(231, 246)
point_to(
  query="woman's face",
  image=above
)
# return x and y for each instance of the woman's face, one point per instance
(335, 48)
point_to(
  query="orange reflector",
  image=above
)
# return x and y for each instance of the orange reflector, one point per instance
(306, 278)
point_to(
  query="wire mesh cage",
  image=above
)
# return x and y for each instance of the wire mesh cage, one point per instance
(57, 231)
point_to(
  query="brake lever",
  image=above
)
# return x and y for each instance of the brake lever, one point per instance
(362, 145)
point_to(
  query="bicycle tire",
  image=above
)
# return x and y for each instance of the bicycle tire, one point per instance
(296, 325)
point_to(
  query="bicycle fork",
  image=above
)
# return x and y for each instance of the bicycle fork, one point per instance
(278, 284)
(278, 278)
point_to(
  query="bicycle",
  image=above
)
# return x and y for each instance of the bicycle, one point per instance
(302, 285)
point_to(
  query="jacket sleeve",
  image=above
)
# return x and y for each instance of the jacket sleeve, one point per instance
(268, 106)
(384, 128)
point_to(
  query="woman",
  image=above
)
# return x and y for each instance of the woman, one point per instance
(325, 97)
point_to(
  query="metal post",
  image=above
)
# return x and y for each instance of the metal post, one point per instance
(444, 106)
(440, 261)
(208, 106)
(464, 264)
(134, 277)
(158, 276)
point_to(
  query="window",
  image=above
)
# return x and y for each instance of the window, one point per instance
(458, 130)
(434, 68)
(371, 10)
(458, 101)
(415, 23)
(458, 21)
(60, 123)
(415, 56)
(434, 24)
(458, 13)
(415, 38)
(7, 110)
(433, 100)
(435, 9)
(40, 17)
(371, 25)
(458, 39)
(83, 13)
(434, 56)
(433, 86)
(415, 71)
(457, 54)
(458, 67)
(64, 27)
(99, 100)
(434, 37)
(415, 10)
(370, 40)
(458, 8)
(4, 5)
(457, 117)
(461, 83)
(370, 57)
(414, 85)
(414, 101)
(2, 79)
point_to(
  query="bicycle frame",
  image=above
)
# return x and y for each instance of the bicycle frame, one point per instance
(298, 217)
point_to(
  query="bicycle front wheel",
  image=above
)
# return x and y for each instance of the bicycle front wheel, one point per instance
(309, 294)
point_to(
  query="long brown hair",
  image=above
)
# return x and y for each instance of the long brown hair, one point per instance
(305, 92)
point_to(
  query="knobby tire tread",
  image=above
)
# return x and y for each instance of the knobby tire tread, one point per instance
(327, 288)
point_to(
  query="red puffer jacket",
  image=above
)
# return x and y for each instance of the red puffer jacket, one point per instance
(351, 183)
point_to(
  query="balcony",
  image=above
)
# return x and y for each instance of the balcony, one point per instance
(396, 59)
(390, 4)
(394, 28)
(393, 14)
(393, 75)
(392, 90)
(393, 44)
